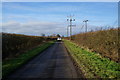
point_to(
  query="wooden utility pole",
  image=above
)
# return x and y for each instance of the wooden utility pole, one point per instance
(67, 31)
(70, 19)
(85, 25)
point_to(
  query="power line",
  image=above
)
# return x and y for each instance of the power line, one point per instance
(116, 22)
(82, 26)
(85, 25)
(70, 19)
(67, 31)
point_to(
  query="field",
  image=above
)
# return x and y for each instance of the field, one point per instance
(16, 44)
(19, 49)
(14, 63)
(92, 64)
(95, 52)
(104, 42)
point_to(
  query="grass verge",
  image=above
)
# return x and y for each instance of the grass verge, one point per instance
(10, 65)
(92, 64)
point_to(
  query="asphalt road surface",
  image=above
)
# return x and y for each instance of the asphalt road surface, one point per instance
(52, 63)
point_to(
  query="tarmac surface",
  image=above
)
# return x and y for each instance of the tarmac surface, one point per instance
(54, 62)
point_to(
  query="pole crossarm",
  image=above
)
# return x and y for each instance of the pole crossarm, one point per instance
(72, 25)
(70, 19)
(85, 25)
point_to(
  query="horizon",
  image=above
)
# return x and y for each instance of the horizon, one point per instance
(36, 18)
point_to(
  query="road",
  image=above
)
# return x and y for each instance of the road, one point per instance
(52, 63)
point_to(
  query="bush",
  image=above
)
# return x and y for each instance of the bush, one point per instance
(15, 44)
(104, 42)
(92, 64)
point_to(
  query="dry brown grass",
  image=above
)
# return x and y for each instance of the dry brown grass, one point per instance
(105, 42)
(15, 44)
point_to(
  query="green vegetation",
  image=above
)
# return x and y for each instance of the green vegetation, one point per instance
(104, 42)
(16, 44)
(92, 64)
(12, 64)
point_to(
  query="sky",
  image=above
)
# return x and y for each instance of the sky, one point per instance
(36, 18)
(60, 0)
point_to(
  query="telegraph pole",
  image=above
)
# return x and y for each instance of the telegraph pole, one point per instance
(67, 31)
(70, 19)
(85, 25)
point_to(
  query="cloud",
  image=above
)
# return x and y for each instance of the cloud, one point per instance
(33, 28)
(48, 28)
(49, 8)
(50, 19)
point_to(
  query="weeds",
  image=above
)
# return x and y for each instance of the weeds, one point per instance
(14, 63)
(93, 64)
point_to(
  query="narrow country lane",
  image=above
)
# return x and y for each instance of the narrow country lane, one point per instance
(52, 63)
